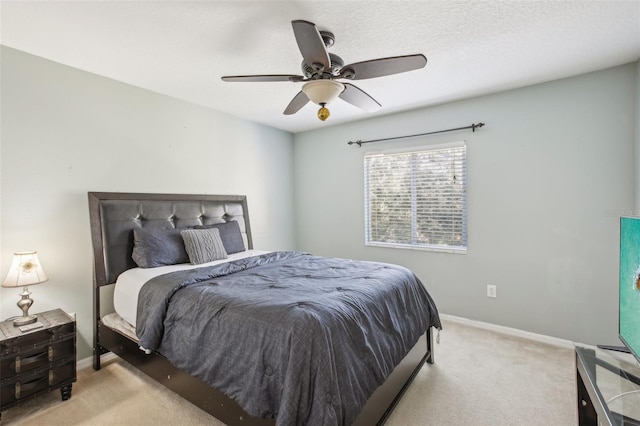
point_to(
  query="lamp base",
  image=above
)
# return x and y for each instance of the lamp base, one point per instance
(20, 321)
(24, 304)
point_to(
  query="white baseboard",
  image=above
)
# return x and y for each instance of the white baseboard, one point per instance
(511, 331)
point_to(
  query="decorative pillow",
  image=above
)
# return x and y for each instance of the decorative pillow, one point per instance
(230, 235)
(157, 247)
(203, 245)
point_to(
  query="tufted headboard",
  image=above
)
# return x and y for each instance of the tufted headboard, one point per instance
(114, 216)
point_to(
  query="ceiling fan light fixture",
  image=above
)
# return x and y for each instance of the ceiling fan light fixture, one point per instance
(322, 91)
(320, 69)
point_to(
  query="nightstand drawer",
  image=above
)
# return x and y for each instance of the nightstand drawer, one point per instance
(36, 357)
(43, 380)
(29, 340)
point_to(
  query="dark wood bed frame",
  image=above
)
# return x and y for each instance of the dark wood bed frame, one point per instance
(113, 216)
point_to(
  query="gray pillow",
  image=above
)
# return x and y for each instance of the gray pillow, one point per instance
(158, 247)
(230, 235)
(203, 245)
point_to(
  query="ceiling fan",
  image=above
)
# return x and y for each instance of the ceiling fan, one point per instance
(321, 69)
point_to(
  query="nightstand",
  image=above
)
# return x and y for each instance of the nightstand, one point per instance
(37, 360)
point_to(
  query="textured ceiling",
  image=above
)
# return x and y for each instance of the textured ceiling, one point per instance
(182, 48)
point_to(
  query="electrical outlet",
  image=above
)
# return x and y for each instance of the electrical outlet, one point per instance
(491, 291)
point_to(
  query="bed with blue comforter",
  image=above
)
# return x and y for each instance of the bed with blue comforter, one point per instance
(276, 339)
(299, 338)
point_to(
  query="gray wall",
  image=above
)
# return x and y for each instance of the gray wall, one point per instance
(549, 175)
(65, 132)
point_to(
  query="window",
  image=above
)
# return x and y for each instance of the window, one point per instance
(417, 199)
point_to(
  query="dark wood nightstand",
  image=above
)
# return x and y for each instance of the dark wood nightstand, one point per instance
(38, 360)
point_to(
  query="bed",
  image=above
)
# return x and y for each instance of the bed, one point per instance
(294, 374)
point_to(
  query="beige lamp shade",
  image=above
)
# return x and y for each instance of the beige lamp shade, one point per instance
(25, 270)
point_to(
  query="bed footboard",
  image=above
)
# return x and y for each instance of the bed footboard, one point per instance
(376, 412)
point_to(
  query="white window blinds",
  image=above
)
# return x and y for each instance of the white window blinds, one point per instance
(417, 199)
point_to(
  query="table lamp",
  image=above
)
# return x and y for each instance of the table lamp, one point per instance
(25, 270)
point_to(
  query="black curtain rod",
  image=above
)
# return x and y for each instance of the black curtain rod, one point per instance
(473, 127)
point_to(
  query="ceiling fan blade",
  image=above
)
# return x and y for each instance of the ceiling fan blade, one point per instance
(262, 78)
(310, 43)
(383, 66)
(296, 103)
(359, 98)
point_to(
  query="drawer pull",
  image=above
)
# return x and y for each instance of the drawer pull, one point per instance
(21, 363)
(26, 387)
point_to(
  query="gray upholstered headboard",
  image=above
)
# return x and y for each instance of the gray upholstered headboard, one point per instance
(114, 216)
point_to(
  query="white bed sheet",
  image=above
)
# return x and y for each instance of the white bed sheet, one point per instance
(129, 283)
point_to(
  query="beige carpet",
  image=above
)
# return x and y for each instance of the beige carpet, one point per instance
(480, 377)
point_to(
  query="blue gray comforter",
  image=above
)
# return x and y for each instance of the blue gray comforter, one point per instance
(301, 338)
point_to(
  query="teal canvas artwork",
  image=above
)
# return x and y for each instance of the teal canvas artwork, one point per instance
(630, 283)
